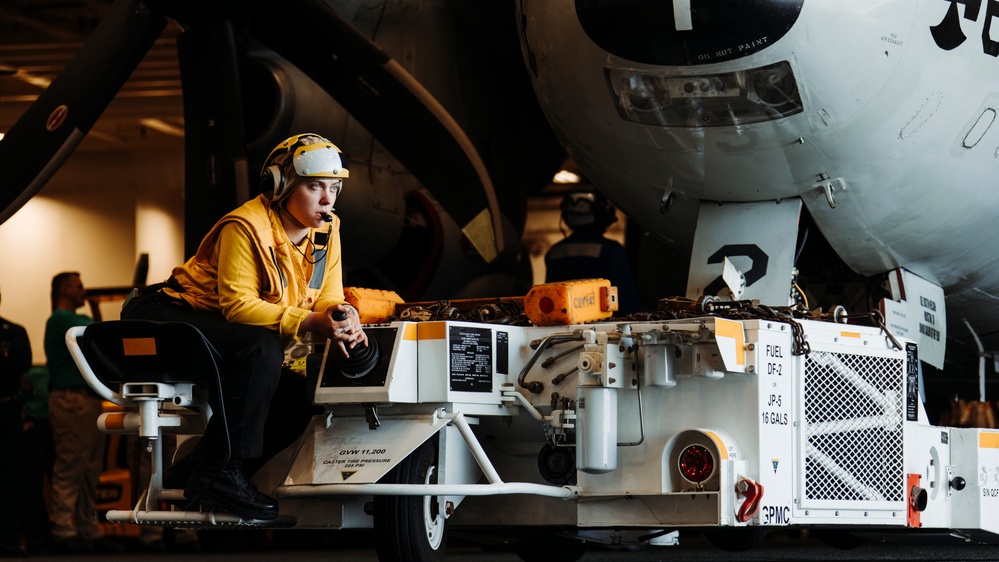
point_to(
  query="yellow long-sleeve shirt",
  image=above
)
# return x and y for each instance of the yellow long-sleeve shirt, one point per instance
(248, 268)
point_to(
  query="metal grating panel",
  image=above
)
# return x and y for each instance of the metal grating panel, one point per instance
(852, 428)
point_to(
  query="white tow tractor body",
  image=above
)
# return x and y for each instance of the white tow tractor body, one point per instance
(617, 430)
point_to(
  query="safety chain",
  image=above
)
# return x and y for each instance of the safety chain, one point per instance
(495, 312)
(508, 312)
(441, 310)
(677, 308)
(878, 319)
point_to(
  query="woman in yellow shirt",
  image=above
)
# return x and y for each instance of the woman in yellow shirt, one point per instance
(267, 273)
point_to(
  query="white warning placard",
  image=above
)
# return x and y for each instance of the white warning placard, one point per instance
(899, 319)
(919, 308)
(350, 451)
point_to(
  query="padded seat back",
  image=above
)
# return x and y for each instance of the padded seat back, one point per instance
(146, 351)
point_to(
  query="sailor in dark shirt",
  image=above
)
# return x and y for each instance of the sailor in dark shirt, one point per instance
(586, 253)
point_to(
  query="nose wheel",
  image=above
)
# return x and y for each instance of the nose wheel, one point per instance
(433, 521)
(411, 528)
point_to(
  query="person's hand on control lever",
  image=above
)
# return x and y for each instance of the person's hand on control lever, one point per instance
(347, 328)
(340, 324)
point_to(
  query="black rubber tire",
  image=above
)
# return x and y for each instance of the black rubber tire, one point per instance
(411, 528)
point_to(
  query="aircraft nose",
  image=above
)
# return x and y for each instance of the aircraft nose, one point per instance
(686, 32)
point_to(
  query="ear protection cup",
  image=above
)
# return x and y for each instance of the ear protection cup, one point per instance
(272, 180)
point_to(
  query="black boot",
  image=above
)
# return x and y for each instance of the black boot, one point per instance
(229, 489)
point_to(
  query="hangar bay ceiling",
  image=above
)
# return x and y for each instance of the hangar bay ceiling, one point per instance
(38, 38)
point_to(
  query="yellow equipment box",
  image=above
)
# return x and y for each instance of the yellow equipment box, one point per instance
(570, 302)
(374, 306)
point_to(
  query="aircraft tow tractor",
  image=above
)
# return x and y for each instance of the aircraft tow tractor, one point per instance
(722, 416)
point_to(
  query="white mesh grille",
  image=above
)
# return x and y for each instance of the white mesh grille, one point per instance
(852, 428)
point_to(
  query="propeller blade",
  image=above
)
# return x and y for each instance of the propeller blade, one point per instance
(48, 132)
(391, 105)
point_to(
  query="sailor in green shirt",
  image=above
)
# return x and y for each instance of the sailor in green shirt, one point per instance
(73, 412)
(62, 370)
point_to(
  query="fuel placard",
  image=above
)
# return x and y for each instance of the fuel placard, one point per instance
(775, 368)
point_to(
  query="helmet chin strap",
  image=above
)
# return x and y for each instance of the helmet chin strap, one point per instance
(297, 222)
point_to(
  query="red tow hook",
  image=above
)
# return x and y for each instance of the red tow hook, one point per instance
(753, 492)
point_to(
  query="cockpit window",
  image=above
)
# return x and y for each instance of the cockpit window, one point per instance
(707, 100)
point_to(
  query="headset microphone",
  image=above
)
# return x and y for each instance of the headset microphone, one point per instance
(324, 237)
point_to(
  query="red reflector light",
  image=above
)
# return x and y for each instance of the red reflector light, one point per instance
(696, 463)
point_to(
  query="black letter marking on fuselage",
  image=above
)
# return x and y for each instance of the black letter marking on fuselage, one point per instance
(948, 34)
(751, 251)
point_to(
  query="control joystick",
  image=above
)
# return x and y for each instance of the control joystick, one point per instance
(362, 358)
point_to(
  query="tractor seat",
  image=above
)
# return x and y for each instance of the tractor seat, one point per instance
(127, 351)
(164, 370)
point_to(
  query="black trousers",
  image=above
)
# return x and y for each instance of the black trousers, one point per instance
(265, 405)
(11, 473)
(38, 458)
